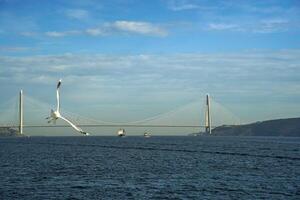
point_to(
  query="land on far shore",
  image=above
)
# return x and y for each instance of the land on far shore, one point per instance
(278, 127)
(9, 132)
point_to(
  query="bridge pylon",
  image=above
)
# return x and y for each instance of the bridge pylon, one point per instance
(207, 115)
(21, 112)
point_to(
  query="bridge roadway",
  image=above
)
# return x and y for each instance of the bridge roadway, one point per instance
(107, 125)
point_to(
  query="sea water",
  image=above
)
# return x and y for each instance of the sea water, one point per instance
(150, 168)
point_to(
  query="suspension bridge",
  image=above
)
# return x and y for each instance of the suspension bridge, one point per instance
(202, 118)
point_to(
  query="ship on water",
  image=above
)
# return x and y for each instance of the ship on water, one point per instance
(147, 134)
(121, 132)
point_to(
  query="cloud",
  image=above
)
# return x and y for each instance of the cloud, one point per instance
(222, 26)
(62, 34)
(139, 27)
(244, 74)
(183, 5)
(272, 25)
(160, 81)
(78, 14)
(247, 16)
(55, 34)
(262, 26)
(96, 32)
(235, 72)
(117, 27)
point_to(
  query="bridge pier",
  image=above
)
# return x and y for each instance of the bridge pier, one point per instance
(21, 112)
(207, 116)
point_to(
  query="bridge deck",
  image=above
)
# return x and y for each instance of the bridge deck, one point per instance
(107, 125)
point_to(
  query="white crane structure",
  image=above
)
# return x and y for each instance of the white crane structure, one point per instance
(54, 115)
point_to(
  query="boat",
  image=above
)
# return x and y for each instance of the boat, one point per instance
(121, 132)
(146, 134)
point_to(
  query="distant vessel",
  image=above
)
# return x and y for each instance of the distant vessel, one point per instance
(146, 134)
(121, 132)
(198, 134)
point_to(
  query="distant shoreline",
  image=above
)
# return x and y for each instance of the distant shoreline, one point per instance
(9, 132)
(289, 127)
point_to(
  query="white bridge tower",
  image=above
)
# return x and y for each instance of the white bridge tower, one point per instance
(21, 112)
(207, 115)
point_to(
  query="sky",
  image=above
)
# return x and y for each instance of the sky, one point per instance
(123, 60)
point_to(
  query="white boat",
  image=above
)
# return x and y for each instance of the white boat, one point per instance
(121, 132)
(146, 134)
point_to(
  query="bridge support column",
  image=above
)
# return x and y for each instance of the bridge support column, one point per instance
(207, 116)
(21, 112)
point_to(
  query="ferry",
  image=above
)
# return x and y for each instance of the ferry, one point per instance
(146, 134)
(121, 132)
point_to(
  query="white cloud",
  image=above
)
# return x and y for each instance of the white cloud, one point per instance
(251, 17)
(271, 25)
(95, 32)
(261, 26)
(184, 7)
(117, 27)
(254, 76)
(43, 79)
(55, 34)
(222, 26)
(139, 27)
(79, 14)
(62, 34)
(168, 70)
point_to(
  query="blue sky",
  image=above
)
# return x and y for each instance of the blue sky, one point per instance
(142, 58)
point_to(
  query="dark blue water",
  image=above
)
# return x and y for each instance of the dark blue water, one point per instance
(149, 168)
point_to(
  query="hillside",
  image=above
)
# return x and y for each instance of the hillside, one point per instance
(279, 127)
(9, 132)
